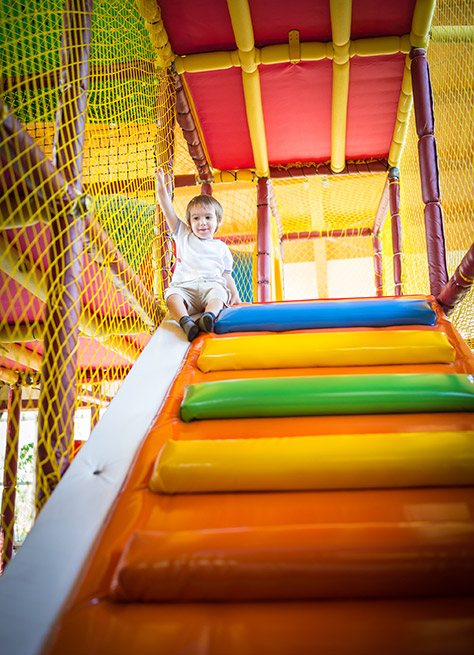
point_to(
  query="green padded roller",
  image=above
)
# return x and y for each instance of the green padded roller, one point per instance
(329, 394)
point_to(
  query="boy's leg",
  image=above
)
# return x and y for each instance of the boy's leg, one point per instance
(179, 313)
(214, 305)
(177, 307)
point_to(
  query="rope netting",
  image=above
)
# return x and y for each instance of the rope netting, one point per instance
(183, 163)
(451, 60)
(327, 226)
(77, 208)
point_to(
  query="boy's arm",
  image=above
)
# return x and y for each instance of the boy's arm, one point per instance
(234, 294)
(165, 201)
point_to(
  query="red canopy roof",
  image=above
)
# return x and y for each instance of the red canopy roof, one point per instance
(296, 98)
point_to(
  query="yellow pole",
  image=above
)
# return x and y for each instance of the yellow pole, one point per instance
(341, 15)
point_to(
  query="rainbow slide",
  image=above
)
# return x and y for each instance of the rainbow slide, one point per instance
(299, 482)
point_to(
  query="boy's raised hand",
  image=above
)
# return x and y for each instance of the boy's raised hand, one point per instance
(165, 200)
(160, 177)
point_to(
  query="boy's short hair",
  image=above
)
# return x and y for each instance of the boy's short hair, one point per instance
(207, 202)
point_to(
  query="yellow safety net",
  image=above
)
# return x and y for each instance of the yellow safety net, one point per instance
(326, 252)
(100, 172)
(86, 179)
(451, 60)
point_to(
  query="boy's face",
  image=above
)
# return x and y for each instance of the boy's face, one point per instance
(203, 222)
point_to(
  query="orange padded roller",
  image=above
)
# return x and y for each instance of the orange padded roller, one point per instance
(363, 560)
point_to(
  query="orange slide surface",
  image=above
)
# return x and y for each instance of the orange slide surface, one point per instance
(369, 606)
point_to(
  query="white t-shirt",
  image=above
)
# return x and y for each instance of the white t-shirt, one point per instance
(199, 258)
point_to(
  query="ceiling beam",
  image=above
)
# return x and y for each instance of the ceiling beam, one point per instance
(359, 167)
(243, 31)
(279, 54)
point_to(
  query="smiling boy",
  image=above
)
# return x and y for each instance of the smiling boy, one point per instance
(202, 280)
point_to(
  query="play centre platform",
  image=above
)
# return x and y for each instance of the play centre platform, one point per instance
(300, 480)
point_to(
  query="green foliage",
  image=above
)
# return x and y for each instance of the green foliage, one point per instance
(24, 506)
(25, 472)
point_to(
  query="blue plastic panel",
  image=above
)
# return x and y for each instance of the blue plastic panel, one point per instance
(320, 314)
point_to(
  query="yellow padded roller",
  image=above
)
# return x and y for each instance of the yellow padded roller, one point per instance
(325, 349)
(343, 461)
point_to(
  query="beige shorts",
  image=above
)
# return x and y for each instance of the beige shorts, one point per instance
(196, 295)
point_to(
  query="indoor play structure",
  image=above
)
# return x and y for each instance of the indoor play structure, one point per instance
(301, 481)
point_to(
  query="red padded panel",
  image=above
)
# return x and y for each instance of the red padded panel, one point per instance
(376, 18)
(17, 305)
(273, 19)
(34, 240)
(197, 26)
(93, 355)
(374, 92)
(296, 101)
(220, 106)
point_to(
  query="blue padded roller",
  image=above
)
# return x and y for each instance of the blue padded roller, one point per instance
(320, 314)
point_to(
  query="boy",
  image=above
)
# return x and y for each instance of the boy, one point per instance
(202, 279)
